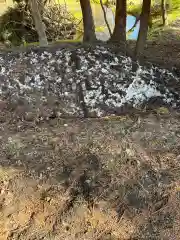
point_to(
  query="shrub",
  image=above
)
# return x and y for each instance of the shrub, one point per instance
(17, 26)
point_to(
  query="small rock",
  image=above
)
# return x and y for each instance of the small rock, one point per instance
(41, 176)
(59, 114)
(19, 163)
(48, 199)
(130, 152)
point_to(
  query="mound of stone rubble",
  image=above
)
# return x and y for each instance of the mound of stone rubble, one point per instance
(83, 82)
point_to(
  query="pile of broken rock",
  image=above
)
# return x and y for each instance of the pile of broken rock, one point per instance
(82, 82)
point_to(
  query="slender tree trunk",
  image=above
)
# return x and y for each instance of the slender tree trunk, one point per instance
(88, 21)
(105, 17)
(39, 25)
(163, 12)
(144, 19)
(119, 33)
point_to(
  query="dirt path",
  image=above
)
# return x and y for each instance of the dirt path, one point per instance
(114, 178)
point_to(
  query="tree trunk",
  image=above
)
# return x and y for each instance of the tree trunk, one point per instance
(163, 12)
(144, 19)
(39, 25)
(119, 33)
(88, 21)
(105, 17)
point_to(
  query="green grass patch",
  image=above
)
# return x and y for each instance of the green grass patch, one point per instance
(50, 43)
(157, 30)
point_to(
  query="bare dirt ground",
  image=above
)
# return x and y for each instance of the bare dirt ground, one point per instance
(110, 178)
(164, 53)
(114, 178)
